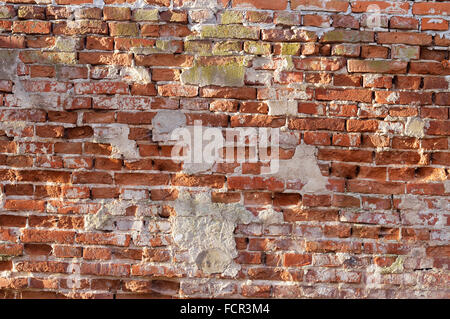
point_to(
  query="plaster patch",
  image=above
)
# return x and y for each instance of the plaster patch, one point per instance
(410, 202)
(103, 218)
(415, 127)
(393, 97)
(447, 186)
(395, 268)
(13, 128)
(138, 75)
(258, 77)
(8, 71)
(390, 126)
(165, 122)
(282, 107)
(370, 78)
(303, 167)
(2, 199)
(203, 4)
(213, 261)
(289, 139)
(65, 44)
(161, 46)
(196, 168)
(117, 136)
(270, 216)
(111, 72)
(205, 230)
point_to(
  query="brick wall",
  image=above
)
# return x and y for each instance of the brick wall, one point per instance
(94, 205)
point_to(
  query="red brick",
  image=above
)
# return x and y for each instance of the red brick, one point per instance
(406, 23)
(404, 38)
(32, 27)
(437, 8)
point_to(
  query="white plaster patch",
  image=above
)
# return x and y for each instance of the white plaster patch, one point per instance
(369, 79)
(415, 127)
(447, 186)
(2, 198)
(205, 230)
(258, 77)
(112, 72)
(103, 218)
(65, 44)
(117, 136)
(196, 168)
(393, 97)
(13, 128)
(303, 167)
(203, 4)
(8, 71)
(165, 122)
(136, 74)
(389, 126)
(289, 108)
(411, 202)
(289, 139)
(270, 216)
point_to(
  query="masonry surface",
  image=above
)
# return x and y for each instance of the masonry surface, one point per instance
(92, 204)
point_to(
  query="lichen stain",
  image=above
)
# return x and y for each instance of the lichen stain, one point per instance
(395, 268)
(231, 74)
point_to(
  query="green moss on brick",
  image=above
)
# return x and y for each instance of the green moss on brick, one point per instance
(229, 74)
(254, 47)
(290, 48)
(232, 17)
(229, 31)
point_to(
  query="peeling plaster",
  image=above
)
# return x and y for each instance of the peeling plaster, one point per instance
(260, 77)
(112, 216)
(389, 126)
(2, 198)
(415, 127)
(117, 136)
(270, 216)
(303, 167)
(8, 71)
(196, 168)
(395, 268)
(139, 75)
(165, 122)
(289, 108)
(65, 44)
(447, 186)
(393, 97)
(205, 230)
(12, 128)
(102, 219)
(112, 72)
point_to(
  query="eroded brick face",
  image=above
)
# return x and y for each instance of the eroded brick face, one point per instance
(93, 203)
